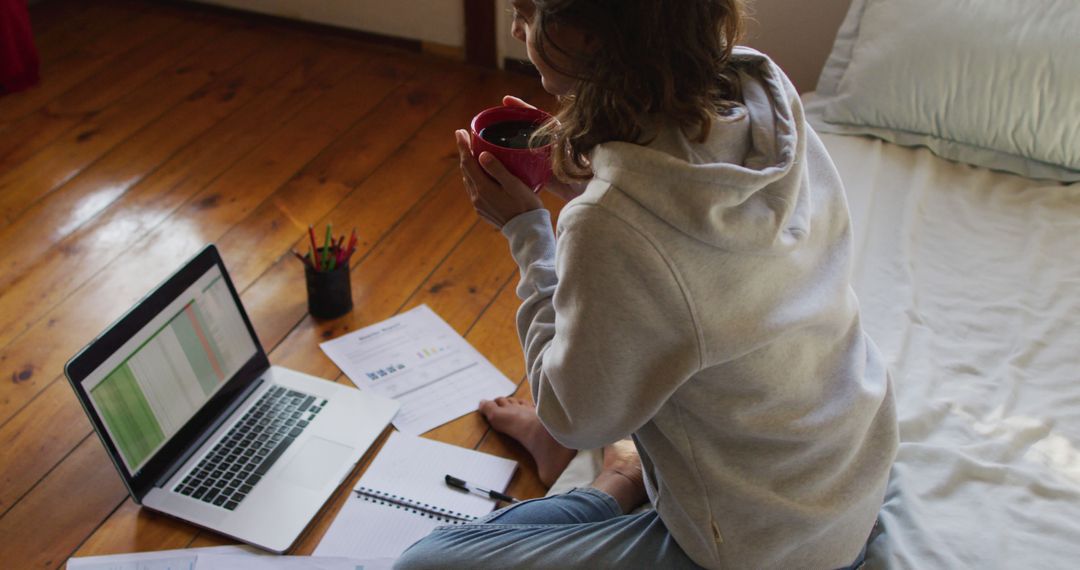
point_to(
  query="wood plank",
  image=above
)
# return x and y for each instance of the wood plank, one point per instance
(463, 285)
(47, 17)
(110, 293)
(37, 441)
(277, 223)
(386, 276)
(468, 271)
(86, 25)
(61, 270)
(43, 528)
(273, 297)
(485, 256)
(140, 64)
(497, 334)
(492, 332)
(467, 430)
(128, 72)
(26, 136)
(132, 528)
(94, 189)
(462, 289)
(58, 76)
(273, 163)
(75, 25)
(42, 173)
(100, 541)
(375, 205)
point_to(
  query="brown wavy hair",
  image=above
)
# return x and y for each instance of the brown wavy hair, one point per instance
(643, 57)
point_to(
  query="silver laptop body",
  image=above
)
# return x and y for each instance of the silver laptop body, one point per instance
(201, 427)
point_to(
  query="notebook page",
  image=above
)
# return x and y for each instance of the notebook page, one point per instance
(415, 468)
(368, 529)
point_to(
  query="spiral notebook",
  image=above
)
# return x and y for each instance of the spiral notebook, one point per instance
(403, 496)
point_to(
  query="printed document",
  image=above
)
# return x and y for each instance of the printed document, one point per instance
(235, 562)
(182, 559)
(419, 360)
(222, 558)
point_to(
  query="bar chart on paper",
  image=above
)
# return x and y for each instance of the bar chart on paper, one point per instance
(431, 351)
(421, 361)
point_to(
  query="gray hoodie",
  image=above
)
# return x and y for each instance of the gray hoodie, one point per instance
(697, 298)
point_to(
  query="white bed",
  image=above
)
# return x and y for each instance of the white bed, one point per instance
(969, 282)
(968, 278)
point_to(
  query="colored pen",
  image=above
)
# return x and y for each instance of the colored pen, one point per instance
(326, 249)
(314, 248)
(332, 255)
(352, 245)
(339, 254)
(467, 487)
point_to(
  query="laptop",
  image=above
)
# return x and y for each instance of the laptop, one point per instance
(200, 425)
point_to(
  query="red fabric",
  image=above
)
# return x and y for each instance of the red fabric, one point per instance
(18, 56)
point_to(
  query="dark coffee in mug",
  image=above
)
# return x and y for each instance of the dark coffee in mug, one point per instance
(512, 134)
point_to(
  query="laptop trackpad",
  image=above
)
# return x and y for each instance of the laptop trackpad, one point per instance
(317, 463)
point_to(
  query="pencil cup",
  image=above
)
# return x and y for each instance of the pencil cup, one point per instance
(329, 293)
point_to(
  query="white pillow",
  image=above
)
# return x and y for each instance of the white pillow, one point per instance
(994, 83)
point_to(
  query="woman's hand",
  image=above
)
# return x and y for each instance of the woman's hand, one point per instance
(555, 186)
(497, 195)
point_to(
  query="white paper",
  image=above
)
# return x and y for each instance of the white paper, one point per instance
(413, 468)
(364, 528)
(419, 360)
(234, 562)
(182, 559)
(416, 468)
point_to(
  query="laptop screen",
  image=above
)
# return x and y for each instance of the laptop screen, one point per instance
(157, 381)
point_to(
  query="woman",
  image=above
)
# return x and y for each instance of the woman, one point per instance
(695, 299)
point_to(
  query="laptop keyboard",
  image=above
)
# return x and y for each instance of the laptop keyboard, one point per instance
(227, 474)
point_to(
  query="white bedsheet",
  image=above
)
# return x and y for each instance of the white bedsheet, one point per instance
(969, 281)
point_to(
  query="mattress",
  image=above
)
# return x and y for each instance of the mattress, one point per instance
(969, 282)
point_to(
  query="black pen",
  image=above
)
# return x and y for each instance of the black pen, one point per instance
(470, 488)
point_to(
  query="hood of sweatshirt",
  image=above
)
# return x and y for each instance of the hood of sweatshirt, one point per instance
(744, 188)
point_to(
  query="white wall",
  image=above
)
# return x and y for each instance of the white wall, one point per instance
(506, 45)
(798, 34)
(435, 21)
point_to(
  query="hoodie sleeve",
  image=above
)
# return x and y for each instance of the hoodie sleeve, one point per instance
(606, 329)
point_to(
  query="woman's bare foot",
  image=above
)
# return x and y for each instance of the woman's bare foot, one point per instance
(621, 476)
(517, 418)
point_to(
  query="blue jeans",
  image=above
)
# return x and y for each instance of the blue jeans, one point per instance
(584, 528)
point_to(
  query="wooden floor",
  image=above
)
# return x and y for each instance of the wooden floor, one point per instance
(160, 128)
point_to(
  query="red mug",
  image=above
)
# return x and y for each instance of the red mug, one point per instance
(531, 165)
